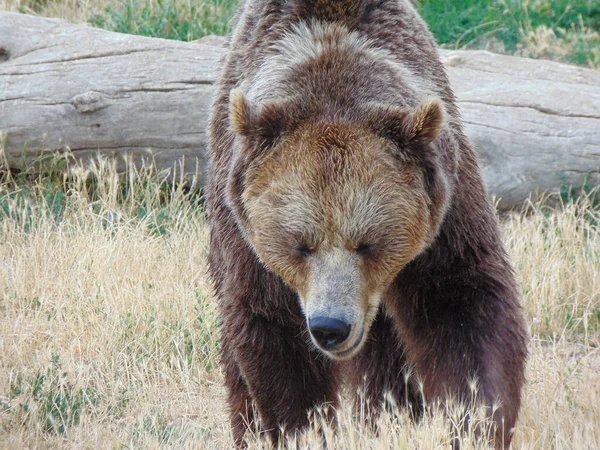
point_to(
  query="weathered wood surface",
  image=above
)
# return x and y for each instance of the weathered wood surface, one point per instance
(98, 92)
(535, 124)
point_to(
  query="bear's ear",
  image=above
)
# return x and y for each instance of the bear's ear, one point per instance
(260, 127)
(425, 123)
(263, 125)
(241, 112)
(420, 126)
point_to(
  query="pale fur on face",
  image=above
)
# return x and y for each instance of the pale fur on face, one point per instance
(337, 289)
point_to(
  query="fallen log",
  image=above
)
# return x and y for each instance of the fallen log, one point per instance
(94, 92)
(535, 124)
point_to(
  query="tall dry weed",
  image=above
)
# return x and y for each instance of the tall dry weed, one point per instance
(109, 335)
(71, 10)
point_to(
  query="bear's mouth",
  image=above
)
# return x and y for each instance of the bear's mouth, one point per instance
(349, 352)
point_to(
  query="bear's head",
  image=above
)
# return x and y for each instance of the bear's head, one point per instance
(337, 207)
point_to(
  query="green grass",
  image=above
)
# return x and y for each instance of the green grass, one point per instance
(564, 30)
(31, 197)
(463, 21)
(169, 19)
(567, 30)
(50, 398)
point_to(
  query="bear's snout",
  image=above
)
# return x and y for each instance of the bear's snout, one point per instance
(328, 332)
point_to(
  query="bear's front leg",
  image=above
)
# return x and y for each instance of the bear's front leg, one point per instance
(240, 403)
(285, 376)
(464, 326)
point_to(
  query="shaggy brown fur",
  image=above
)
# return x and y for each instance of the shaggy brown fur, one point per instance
(342, 186)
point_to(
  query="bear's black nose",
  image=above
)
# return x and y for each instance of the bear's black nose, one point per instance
(328, 332)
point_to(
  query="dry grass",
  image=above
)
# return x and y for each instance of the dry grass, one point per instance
(108, 335)
(71, 10)
(557, 257)
(562, 44)
(109, 338)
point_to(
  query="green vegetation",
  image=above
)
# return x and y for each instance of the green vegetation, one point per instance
(32, 197)
(463, 21)
(566, 30)
(563, 30)
(49, 398)
(570, 194)
(169, 19)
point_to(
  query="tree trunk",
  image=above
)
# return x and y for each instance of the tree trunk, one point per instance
(535, 124)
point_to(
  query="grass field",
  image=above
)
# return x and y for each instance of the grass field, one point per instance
(109, 338)
(562, 30)
(108, 330)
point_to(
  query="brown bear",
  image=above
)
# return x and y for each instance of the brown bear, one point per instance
(352, 241)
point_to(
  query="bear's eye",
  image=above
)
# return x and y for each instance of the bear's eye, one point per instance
(302, 250)
(364, 249)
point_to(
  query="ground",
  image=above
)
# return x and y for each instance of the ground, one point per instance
(109, 334)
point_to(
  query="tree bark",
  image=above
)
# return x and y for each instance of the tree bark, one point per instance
(535, 124)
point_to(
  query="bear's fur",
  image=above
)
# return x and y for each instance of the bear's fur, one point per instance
(342, 186)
